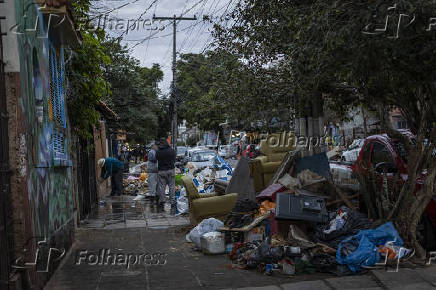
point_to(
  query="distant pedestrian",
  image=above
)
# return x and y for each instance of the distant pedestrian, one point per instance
(152, 169)
(166, 157)
(114, 168)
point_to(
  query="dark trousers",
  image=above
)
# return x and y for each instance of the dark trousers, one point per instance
(117, 183)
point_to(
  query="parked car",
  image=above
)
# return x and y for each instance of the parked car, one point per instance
(190, 151)
(203, 158)
(224, 151)
(353, 151)
(389, 155)
(181, 153)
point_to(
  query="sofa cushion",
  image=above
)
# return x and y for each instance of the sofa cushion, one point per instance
(271, 167)
(217, 205)
(276, 157)
(191, 190)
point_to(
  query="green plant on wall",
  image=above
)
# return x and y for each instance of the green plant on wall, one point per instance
(85, 76)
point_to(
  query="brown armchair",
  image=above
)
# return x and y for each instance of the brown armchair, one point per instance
(263, 167)
(202, 206)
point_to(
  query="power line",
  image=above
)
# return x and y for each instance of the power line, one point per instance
(165, 26)
(190, 33)
(148, 42)
(142, 14)
(114, 9)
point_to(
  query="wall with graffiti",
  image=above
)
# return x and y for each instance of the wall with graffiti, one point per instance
(44, 157)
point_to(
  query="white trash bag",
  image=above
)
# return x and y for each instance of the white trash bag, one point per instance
(213, 243)
(206, 226)
(182, 205)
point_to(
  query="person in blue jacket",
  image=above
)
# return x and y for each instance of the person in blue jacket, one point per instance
(114, 168)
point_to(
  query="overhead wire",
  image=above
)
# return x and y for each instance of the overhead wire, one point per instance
(165, 26)
(189, 34)
(142, 14)
(148, 42)
(208, 43)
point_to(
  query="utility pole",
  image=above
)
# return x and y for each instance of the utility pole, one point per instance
(174, 127)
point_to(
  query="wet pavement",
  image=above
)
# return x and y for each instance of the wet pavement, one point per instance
(122, 212)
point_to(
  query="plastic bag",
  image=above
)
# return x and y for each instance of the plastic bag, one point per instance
(332, 234)
(221, 173)
(362, 249)
(213, 243)
(182, 205)
(221, 164)
(206, 226)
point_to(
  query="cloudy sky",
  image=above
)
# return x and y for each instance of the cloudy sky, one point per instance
(151, 41)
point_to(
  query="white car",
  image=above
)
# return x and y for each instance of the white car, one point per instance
(224, 151)
(190, 151)
(203, 158)
(353, 151)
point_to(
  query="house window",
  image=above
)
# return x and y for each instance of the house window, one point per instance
(57, 103)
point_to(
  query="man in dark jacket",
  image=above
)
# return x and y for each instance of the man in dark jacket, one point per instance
(166, 157)
(112, 167)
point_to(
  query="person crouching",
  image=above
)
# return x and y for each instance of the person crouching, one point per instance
(114, 168)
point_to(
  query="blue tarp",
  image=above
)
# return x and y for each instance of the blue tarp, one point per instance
(222, 164)
(364, 246)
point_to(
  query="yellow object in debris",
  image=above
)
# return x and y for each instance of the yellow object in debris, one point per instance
(266, 206)
(143, 176)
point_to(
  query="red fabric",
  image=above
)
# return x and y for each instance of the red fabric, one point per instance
(270, 192)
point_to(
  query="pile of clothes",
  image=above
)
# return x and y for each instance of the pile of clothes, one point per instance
(242, 214)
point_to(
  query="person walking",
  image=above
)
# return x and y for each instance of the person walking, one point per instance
(166, 157)
(114, 168)
(152, 169)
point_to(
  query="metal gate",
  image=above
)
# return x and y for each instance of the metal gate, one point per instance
(4, 174)
(86, 176)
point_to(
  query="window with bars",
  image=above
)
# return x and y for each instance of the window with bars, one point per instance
(57, 102)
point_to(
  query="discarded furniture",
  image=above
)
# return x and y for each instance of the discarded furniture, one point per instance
(256, 230)
(202, 206)
(220, 186)
(273, 150)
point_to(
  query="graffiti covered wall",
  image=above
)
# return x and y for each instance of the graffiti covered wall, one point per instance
(42, 176)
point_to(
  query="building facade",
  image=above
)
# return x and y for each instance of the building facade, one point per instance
(42, 206)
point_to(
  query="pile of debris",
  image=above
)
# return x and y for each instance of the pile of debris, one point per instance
(297, 225)
(135, 185)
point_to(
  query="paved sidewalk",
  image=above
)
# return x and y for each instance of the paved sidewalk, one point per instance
(122, 226)
(124, 212)
(404, 279)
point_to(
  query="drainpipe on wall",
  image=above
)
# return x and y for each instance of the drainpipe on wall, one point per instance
(4, 173)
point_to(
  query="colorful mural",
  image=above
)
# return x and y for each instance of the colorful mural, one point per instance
(47, 164)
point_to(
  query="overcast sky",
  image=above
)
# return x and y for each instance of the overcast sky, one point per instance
(151, 42)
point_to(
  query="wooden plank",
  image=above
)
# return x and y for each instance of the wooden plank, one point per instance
(247, 228)
(286, 165)
(342, 195)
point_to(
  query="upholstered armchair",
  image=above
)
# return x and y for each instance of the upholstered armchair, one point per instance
(202, 206)
(263, 167)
